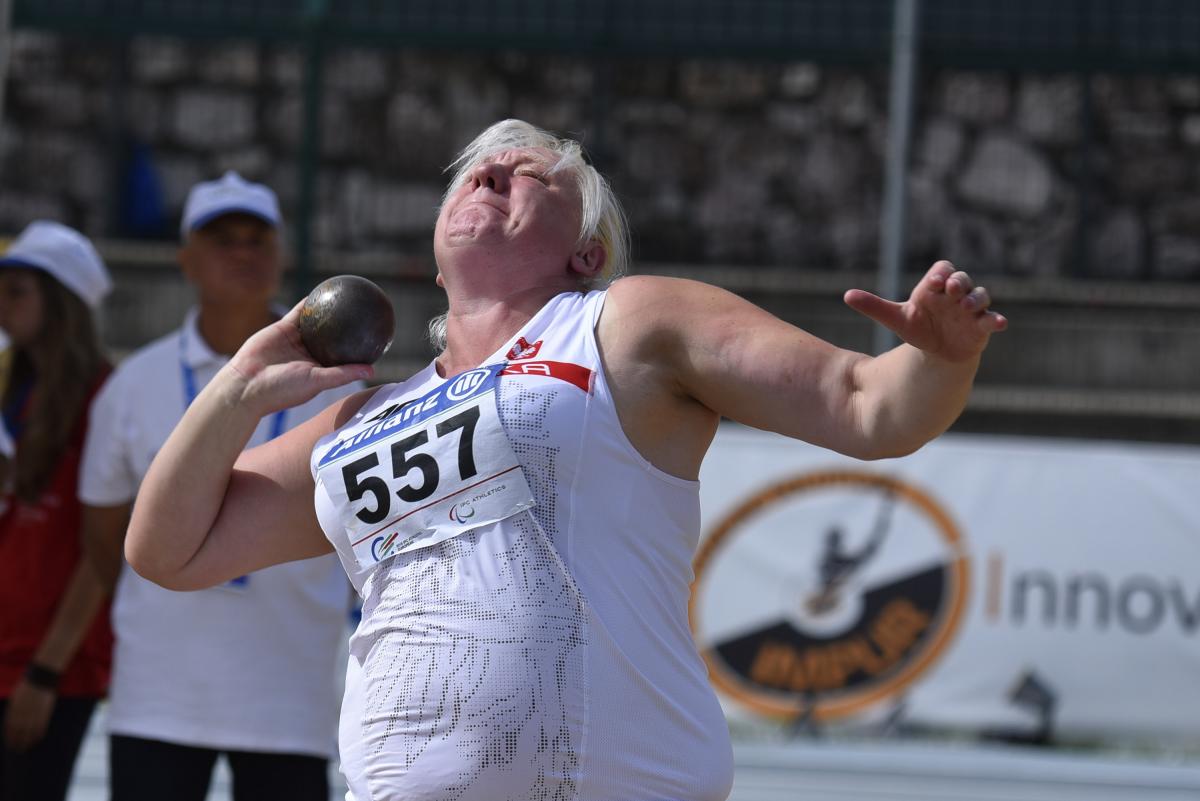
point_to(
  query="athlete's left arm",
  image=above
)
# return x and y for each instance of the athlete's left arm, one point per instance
(747, 365)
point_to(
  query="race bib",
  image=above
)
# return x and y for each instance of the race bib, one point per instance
(425, 471)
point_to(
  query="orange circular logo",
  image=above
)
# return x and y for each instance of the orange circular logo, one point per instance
(826, 593)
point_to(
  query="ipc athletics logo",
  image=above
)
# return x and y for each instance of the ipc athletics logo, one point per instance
(381, 545)
(827, 593)
(462, 512)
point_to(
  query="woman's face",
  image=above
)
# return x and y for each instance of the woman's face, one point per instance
(522, 218)
(22, 307)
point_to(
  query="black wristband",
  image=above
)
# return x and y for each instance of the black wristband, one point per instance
(42, 676)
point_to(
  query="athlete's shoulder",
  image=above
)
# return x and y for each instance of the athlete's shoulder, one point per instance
(654, 305)
(658, 294)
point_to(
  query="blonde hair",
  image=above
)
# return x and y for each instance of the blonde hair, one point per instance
(601, 216)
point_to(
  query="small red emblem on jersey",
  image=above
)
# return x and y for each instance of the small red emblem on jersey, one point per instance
(523, 350)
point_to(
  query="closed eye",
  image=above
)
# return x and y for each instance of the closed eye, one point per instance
(530, 173)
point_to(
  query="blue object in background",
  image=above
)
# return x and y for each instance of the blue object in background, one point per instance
(143, 210)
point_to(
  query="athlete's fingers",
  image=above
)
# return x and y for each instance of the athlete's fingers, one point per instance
(959, 285)
(885, 312)
(293, 315)
(339, 375)
(937, 275)
(993, 322)
(977, 299)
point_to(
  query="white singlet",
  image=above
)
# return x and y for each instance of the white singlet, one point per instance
(545, 654)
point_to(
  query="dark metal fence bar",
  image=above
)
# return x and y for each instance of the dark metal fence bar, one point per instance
(1017, 34)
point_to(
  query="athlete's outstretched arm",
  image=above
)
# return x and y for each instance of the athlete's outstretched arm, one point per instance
(745, 364)
(207, 512)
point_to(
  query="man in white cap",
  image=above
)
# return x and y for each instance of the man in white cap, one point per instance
(247, 669)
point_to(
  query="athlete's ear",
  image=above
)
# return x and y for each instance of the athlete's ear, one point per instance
(589, 259)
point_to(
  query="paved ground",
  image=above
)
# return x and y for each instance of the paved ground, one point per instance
(880, 771)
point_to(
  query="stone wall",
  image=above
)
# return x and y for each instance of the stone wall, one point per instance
(718, 162)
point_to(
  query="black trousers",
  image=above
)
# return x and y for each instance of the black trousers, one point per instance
(152, 770)
(43, 773)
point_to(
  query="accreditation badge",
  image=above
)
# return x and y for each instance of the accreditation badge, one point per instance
(425, 470)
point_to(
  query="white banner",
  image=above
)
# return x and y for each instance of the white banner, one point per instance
(982, 583)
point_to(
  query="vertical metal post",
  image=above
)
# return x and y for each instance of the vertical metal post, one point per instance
(895, 199)
(6, 7)
(1084, 178)
(602, 83)
(315, 12)
(601, 96)
(6, 349)
(115, 136)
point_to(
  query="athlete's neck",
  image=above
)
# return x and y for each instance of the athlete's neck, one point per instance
(475, 330)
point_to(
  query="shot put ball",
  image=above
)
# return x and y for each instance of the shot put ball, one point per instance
(347, 320)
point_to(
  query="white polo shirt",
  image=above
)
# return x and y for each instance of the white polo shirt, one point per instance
(248, 666)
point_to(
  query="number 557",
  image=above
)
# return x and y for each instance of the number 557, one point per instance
(404, 462)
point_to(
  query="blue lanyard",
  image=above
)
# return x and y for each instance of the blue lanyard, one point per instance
(278, 420)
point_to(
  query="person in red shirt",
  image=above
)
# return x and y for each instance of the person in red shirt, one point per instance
(55, 640)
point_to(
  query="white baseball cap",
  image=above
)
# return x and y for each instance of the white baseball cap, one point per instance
(66, 254)
(230, 194)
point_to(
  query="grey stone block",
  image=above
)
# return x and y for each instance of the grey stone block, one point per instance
(206, 119)
(1007, 176)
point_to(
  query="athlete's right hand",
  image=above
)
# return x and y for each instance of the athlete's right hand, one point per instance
(274, 370)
